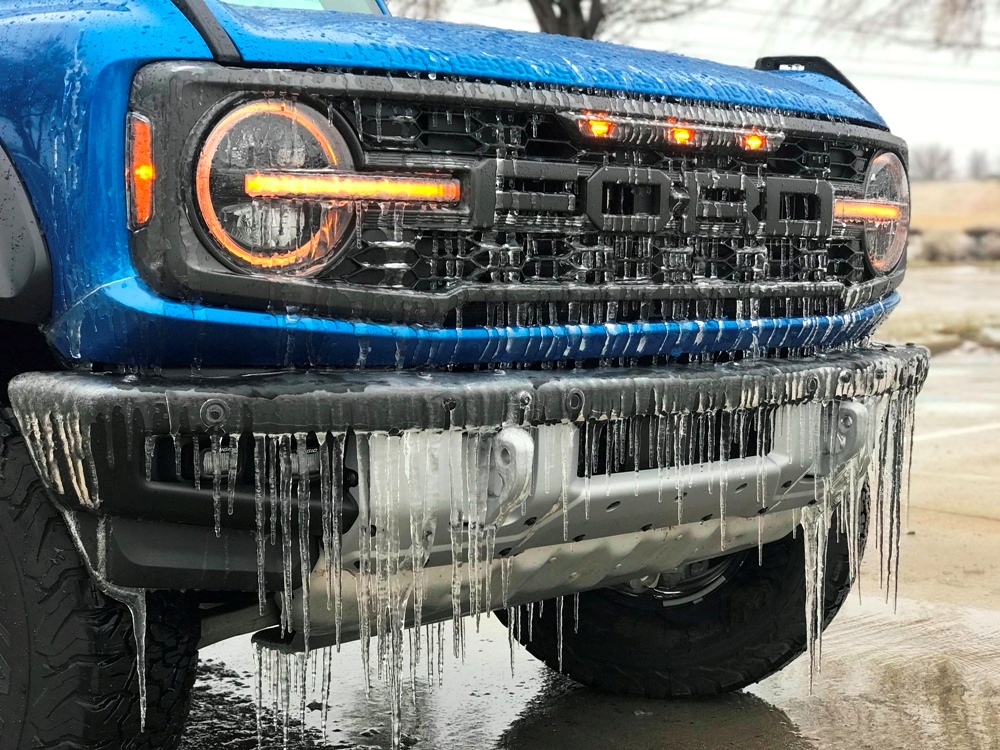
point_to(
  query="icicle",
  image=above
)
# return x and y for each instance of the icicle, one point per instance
(337, 487)
(512, 621)
(455, 528)
(635, 450)
(661, 454)
(102, 546)
(814, 535)
(196, 468)
(150, 448)
(216, 457)
(506, 569)
(178, 462)
(326, 514)
(590, 459)
(566, 448)
(363, 581)
(286, 484)
(272, 485)
(260, 674)
(390, 596)
(232, 471)
(259, 474)
(475, 498)
(304, 505)
(559, 631)
(138, 609)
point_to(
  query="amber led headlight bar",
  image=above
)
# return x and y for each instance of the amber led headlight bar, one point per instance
(276, 188)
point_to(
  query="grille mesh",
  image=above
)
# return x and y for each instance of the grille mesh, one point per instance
(543, 239)
(673, 440)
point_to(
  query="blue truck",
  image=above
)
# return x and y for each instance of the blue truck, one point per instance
(322, 325)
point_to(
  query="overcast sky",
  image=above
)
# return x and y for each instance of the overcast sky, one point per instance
(925, 96)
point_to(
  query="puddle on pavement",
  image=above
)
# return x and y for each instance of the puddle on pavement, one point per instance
(926, 677)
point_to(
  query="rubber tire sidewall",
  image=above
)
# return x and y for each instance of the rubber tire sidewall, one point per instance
(71, 651)
(744, 631)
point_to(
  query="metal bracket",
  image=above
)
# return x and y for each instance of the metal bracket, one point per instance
(511, 468)
(846, 426)
(809, 64)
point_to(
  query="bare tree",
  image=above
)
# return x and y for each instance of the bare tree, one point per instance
(979, 164)
(949, 24)
(418, 8)
(589, 19)
(933, 162)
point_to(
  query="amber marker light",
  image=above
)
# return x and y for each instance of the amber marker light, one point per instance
(853, 210)
(754, 142)
(599, 128)
(352, 187)
(141, 170)
(682, 136)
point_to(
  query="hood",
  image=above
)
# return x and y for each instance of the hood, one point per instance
(328, 38)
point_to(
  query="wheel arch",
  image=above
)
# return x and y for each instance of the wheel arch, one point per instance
(25, 267)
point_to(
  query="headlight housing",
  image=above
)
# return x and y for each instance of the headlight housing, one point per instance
(277, 192)
(884, 212)
(885, 238)
(270, 234)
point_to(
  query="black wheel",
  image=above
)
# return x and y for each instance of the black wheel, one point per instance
(731, 623)
(67, 652)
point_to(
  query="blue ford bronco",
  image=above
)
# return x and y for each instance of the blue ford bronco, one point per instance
(322, 325)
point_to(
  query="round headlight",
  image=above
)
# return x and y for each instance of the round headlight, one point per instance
(885, 235)
(285, 235)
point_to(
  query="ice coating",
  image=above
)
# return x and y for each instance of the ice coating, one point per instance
(672, 431)
(133, 599)
(94, 50)
(304, 341)
(151, 330)
(839, 498)
(386, 43)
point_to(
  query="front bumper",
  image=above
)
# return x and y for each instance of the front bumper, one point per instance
(153, 330)
(124, 447)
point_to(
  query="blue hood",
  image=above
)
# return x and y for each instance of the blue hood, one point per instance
(290, 37)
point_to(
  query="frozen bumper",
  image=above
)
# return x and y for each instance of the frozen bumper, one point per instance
(134, 449)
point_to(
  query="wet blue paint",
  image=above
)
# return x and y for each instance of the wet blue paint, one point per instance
(66, 68)
(385, 43)
(150, 330)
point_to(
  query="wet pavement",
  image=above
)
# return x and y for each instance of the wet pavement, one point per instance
(924, 676)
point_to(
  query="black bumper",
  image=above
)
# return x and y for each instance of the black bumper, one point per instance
(105, 444)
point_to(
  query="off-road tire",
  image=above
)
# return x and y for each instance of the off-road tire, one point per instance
(67, 652)
(743, 631)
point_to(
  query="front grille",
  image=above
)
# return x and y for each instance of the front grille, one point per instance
(540, 236)
(436, 261)
(673, 440)
(506, 314)
(479, 132)
(553, 228)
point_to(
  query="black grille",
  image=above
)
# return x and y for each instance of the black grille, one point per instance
(426, 128)
(553, 227)
(436, 260)
(541, 236)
